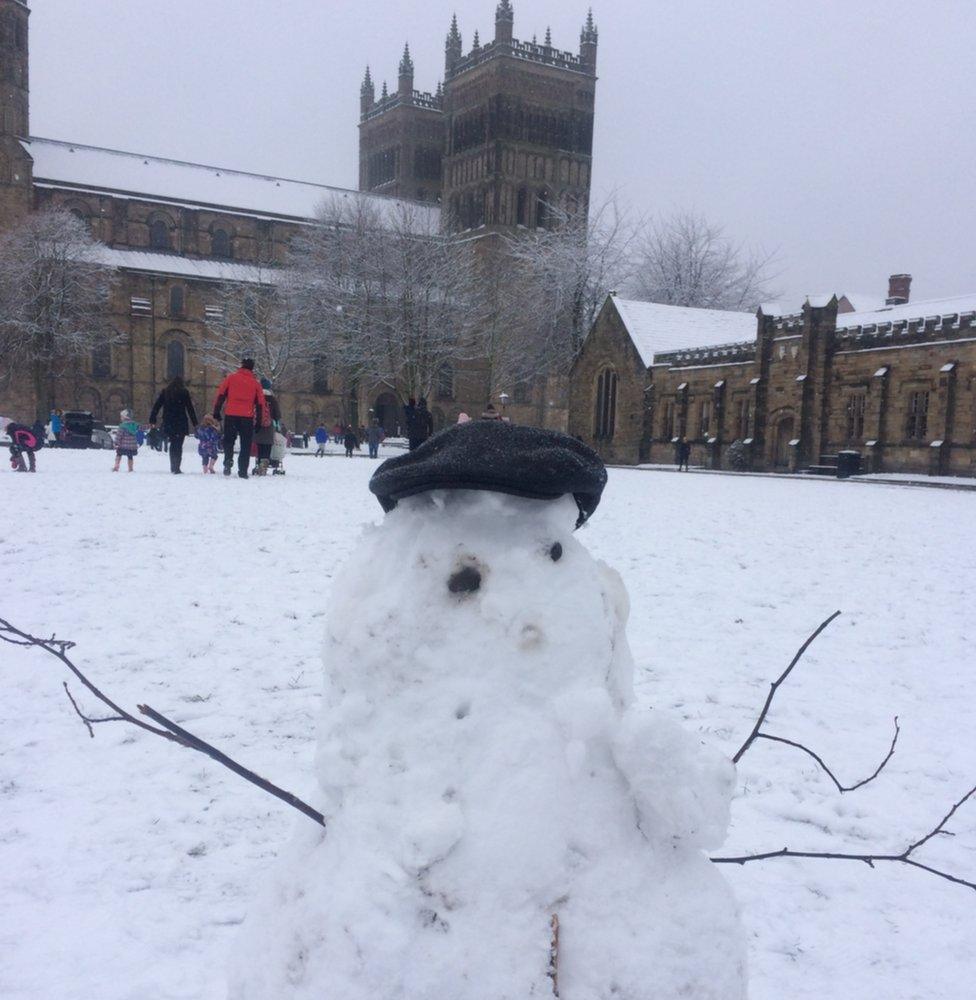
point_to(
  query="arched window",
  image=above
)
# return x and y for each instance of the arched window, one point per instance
(159, 235)
(175, 360)
(606, 404)
(177, 300)
(101, 360)
(542, 210)
(220, 243)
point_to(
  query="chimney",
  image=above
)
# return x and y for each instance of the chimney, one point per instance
(899, 289)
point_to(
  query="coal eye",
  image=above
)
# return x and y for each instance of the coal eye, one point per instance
(464, 581)
(556, 552)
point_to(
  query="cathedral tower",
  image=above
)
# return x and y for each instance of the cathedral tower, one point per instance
(519, 129)
(401, 138)
(15, 163)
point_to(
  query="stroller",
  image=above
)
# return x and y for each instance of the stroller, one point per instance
(76, 429)
(278, 454)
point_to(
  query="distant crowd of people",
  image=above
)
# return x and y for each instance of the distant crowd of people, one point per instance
(245, 416)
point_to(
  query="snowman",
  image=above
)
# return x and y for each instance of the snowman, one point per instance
(502, 821)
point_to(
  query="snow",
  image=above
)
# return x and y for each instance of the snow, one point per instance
(655, 328)
(93, 169)
(958, 305)
(165, 263)
(481, 768)
(208, 598)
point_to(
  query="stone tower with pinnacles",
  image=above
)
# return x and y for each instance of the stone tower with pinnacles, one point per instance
(505, 141)
(15, 164)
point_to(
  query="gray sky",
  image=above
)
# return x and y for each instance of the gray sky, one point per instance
(836, 132)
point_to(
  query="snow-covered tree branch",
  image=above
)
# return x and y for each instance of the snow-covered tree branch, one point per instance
(54, 299)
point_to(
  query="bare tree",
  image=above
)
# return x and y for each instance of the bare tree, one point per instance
(390, 294)
(264, 319)
(560, 278)
(685, 260)
(54, 300)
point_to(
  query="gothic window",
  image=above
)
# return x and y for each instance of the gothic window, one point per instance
(220, 243)
(542, 210)
(159, 235)
(606, 404)
(175, 360)
(704, 418)
(101, 362)
(522, 393)
(177, 300)
(320, 375)
(743, 418)
(445, 383)
(918, 415)
(856, 402)
(667, 430)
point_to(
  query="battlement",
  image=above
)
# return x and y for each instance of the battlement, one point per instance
(719, 354)
(906, 332)
(417, 99)
(544, 55)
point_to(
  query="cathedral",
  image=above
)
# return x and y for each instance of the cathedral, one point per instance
(508, 134)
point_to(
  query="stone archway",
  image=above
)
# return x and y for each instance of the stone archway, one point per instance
(386, 410)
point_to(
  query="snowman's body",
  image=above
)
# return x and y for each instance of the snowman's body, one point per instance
(481, 768)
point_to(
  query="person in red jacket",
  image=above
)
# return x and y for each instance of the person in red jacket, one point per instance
(242, 401)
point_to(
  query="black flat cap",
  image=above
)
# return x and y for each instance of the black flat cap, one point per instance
(497, 456)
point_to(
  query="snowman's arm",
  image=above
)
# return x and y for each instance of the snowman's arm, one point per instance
(682, 788)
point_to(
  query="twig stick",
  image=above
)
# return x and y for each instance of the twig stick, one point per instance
(905, 858)
(58, 648)
(830, 774)
(554, 954)
(775, 686)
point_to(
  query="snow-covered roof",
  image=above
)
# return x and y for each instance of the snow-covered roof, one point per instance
(656, 328)
(929, 309)
(92, 169)
(168, 263)
(862, 302)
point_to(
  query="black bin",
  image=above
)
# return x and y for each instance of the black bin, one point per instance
(848, 464)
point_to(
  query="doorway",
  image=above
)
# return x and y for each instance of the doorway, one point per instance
(781, 444)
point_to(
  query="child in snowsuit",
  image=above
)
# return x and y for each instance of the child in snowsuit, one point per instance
(23, 441)
(208, 434)
(126, 443)
(350, 441)
(321, 439)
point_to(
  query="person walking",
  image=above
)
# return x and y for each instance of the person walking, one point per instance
(374, 436)
(321, 439)
(264, 435)
(684, 453)
(126, 445)
(179, 419)
(56, 427)
(305, 439)
(241, 399)
(208, 434)
(350, 440)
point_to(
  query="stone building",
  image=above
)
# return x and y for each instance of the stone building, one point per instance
(895, 383)
(507, 138)
(177, 232)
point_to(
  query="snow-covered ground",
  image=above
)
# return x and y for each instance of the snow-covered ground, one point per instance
(126, 864)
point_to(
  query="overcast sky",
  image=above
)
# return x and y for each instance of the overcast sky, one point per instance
(839, 133)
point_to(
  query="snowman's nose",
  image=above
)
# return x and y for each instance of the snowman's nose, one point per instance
(465, 581)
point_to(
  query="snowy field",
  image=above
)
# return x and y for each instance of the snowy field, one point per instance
(126, 864)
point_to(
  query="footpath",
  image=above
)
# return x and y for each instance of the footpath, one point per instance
(883, 479)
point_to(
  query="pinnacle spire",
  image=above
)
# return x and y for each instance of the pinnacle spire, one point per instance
(367, 81)
(504, 12)
(384, 94)
(454, 35)
(589, 32)
(476, 42)
(548, 37)
(406, 63)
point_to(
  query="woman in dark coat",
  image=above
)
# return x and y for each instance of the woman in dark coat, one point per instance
(177, 407)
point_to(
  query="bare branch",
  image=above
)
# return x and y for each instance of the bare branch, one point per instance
(170, 731)
(775, 686)
(830, 774)
(905, 858)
